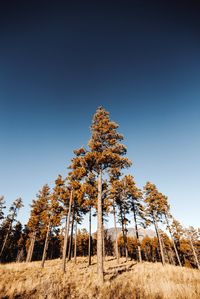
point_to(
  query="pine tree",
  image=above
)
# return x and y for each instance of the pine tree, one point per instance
(90, 195)
(167, 217)
(114, 194)
(37, 222)
(134, 196)
(155, 207)
(67, 224)
(177, 232)
(118, 193)
(193, 238)
(106, 152)
(78, 171)
(15, 207)
(51, 217)
(113, 191)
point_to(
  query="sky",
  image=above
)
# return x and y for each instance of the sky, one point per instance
(60, 60)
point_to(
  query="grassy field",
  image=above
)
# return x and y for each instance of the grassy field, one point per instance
(127, 280)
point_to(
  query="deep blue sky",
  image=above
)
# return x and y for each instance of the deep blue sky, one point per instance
(59, 61)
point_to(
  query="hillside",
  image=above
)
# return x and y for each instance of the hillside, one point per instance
(128, 280)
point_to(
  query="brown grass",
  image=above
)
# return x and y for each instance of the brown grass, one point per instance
(128, 280)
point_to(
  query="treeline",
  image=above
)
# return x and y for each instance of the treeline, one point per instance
(96, 187)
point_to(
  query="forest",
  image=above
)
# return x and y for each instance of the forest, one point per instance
(96, 188)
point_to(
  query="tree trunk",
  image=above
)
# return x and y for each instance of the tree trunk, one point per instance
(71, 236)
(165, 252)
(75, 243)
(31, 247)
(126, 247)
(137, 235)
(194, 252)
(45, 246)
(173, 242)
(99, 232)
(123, 235)
(89, 240)
(29, 251)
(116, 243)
(159, 239)
(67, 223)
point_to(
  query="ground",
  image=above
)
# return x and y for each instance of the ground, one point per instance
(126, 280)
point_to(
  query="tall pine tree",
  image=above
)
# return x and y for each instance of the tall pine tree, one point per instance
(106, 152)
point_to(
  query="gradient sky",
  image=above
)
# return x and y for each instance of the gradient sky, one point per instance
(59, 61)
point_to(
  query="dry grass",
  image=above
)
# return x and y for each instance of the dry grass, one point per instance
(128, 280)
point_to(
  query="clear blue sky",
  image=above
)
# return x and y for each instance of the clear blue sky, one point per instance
(60, 61)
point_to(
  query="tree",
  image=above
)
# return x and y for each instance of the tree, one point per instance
(106, 152)
(134, 196)
(177, 232)
(90, 195)
(167, 247)
(113, 195)
(37, 222)
(51, 216)
(15, 207)
(118, 193)
(155, 207)
(193, 239)
(167, 217)
(78, 171)
(82, 242)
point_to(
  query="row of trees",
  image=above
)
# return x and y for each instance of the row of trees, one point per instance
(17, 247)
(96, 187)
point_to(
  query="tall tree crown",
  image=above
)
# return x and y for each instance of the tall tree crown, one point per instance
(105, 147)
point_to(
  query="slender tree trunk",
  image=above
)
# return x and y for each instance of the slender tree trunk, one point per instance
(89, 240)
(71, 236)
(126, 247)
(99, 232)
(124, 236)
(116, 241)
(31, 247)
(137, 235)
(159, 239)
(45, 246)
(173, 242)
(29, 251)
(165, 252)
(67, 223)
(194, 252)
(75, 242)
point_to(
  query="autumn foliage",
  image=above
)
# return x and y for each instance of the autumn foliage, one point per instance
(96, 187)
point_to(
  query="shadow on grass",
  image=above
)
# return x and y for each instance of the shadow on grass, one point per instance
(118, 270)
